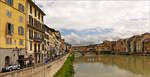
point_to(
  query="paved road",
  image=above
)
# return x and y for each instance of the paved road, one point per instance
(47, 70)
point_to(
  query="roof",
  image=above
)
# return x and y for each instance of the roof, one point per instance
(36, 6)
(51, 29)
(145, 33)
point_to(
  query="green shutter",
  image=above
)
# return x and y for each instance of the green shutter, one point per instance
(11, 2)
(23, 31)
(12, 29)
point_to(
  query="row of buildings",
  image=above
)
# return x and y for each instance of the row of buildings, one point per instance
(138, 44)
(24, 38)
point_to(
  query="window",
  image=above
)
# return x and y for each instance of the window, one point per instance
(37, 24)
(35, 13)
(42, 46)
(9, 2)
(21, 7)
(42, 19)
(31, 9)
(30, 34)
(30, 20)
(39, 15)
(35, 35)
(39, 47)
(10, 29)
(20, 30)
(15, 42)
(21, 19)
(8, 41)
(30, 45)
(9, 14)
(21, 42)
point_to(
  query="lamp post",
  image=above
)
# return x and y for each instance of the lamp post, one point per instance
(17, 49)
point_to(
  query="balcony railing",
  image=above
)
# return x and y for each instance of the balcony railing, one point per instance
(35, 24)
(37, 39)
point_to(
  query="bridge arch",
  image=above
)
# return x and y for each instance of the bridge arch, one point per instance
(86, 52)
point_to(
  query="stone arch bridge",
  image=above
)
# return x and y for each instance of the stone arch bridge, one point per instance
(86, 52)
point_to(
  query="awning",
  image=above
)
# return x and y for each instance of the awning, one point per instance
(147, 40)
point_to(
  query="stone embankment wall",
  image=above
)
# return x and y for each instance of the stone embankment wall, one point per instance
(47, 70)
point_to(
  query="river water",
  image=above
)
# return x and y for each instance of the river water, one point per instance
(112, 66)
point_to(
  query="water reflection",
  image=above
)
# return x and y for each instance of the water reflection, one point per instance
(112, 66)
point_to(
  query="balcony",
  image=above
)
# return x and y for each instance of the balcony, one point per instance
(37, 37)
(35, 24)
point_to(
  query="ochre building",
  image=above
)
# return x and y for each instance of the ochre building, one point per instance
(12, 32)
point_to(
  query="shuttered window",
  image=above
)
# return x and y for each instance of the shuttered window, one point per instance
(21, 42)
(39, 15)
(21, 7)
(31, 9)
(42, 19)
(9, 2)
(20, 30)
(21, 19)
(31, 20)
(30, 45)
(10, 29)
(30, 34)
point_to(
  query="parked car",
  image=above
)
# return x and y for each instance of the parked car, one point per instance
(7, 69)
(15, 66)
(11, 68)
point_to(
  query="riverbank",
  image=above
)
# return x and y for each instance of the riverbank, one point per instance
(46, 70)
(67, 69)
(123, 53)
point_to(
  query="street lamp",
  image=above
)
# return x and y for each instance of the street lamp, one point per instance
(17, 50)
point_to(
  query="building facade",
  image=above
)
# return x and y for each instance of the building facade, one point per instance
(106, 46)
(12, 32)
(47, 40)
(146, 42)
(35, 32)
(57, 42)
(137, 44)
(120, 46)
(24, 38)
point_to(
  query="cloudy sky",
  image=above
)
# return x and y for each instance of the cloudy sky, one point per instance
(83, 22)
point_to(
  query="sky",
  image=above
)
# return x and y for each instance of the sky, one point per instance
(84, 22)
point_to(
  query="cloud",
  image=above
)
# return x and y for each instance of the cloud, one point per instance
(87, 22)
(91, 31)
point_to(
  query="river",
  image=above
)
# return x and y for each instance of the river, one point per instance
(112, 66)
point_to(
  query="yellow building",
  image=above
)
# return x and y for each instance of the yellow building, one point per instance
(12, 31)
(34, 32)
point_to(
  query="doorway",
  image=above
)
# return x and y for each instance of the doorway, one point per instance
(7, 61)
